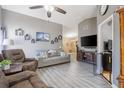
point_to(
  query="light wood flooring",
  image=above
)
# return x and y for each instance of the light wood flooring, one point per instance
(72, 75)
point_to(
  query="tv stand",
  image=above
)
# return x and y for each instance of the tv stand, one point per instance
(86, 56)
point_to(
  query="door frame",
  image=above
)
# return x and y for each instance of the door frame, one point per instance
(99, 48)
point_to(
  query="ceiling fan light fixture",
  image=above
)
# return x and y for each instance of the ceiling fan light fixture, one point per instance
(49, 8)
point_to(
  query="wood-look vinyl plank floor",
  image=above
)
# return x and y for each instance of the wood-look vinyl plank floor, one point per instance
(72, 75)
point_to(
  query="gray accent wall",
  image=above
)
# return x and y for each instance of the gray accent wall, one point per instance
(30, 25)
(116, 40)
(86, 28)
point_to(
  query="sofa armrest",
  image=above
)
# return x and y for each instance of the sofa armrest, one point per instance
(37, 82)
(13, 79)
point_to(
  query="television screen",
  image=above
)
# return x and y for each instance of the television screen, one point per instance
(89, 40)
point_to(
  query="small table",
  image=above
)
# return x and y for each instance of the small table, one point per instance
(14, 68)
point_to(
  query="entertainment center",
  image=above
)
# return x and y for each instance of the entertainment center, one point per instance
(87, 42)
(86, 56)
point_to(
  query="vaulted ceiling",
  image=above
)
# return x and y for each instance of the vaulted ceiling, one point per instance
(75, 13)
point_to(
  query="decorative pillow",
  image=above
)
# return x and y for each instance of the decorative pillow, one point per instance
(44, 54)
(59, 51)
(52, 53)
(62, 54)
(41, 54)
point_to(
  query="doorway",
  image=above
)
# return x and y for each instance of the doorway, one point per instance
(105, 47)
(69, 45)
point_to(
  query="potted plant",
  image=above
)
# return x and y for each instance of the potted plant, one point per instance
(5, 64)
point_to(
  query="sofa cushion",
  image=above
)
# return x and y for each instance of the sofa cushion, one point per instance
(15, 55)
(25, 79)
(53, 61)
(23, 84)
(52, 53)
(37, 83)
(3, 82)
(13, 79)
(1, 73)
(57, 58)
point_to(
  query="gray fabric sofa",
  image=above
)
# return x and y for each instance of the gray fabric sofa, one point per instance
(53, 60)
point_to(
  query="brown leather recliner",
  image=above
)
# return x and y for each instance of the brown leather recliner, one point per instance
(17, 55)
(25, 79)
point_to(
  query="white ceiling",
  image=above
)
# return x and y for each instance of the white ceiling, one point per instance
(74, 15)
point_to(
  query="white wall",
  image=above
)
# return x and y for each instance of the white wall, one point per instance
(70, 36)
(0, 30)
(70, 32)
(106, 34)
(30, 25)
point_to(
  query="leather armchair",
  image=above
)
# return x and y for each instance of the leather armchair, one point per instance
(17, 55)
(25, 79)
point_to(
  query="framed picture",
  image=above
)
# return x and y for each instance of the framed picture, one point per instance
(56, 39)
(52, 41)
(19, 32)
(33, 41)
(27, 37)
(60, 37)
(41, 36)
(46, 36)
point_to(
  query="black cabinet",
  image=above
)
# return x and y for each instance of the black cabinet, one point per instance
(107, 62)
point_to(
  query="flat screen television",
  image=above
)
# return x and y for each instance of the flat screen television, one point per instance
(88, 41)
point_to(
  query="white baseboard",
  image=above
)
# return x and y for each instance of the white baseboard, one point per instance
(114, 86)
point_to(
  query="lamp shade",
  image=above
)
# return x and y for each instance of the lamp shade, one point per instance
(8, 42)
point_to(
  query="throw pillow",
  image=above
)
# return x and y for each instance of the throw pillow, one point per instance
(62, 54)
(52, 53)
(44, 54)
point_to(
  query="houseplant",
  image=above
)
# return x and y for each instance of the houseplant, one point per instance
(5, 64)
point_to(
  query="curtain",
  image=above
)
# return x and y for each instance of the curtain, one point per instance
(3, 35)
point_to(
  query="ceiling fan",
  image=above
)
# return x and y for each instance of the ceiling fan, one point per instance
(49, 9)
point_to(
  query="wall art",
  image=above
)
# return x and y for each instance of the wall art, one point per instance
(60, 37)
(27, 37)
(52, 41)
(56, 39)
(41, 36)
(19, 32)
(33, 41)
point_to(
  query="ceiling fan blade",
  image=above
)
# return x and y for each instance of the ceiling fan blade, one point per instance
(60, 10)
(36, 7)
(49, 14)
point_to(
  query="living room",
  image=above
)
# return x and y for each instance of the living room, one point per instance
(65, 46)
